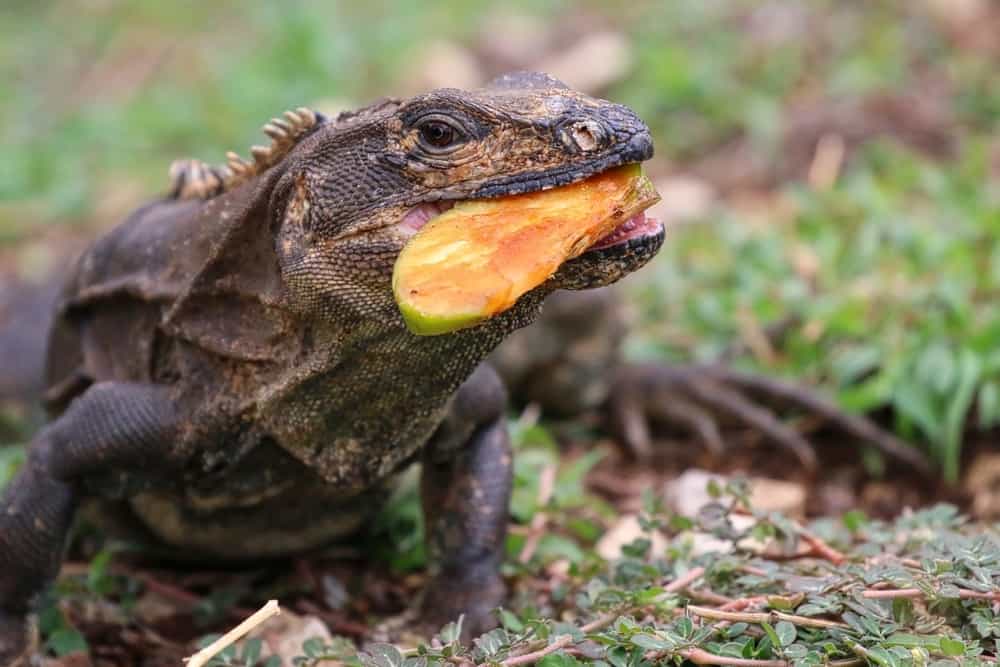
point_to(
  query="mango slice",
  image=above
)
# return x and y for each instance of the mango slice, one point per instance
(476, 259)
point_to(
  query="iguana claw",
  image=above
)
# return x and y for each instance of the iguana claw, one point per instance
(17, 640)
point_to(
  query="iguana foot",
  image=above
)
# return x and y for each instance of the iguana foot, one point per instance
(17, 640)
(444, 601)
(474, 598)
(699, 398)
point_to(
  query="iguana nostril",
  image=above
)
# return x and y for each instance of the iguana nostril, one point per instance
(581, 135)
(584, 137)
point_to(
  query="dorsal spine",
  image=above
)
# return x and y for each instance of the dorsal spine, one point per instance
(194, 179)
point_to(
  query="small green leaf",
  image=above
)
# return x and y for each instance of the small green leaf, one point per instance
(492, 642)
(988, 404)
(67, 640)
(558, 659)
(855, 520)
(553, 546)
(786, 634)
(618, 656)
(451, 631)
(382, 655)
(796, 651)
(204, 641)
(11, 459)
(98, 579)
(952, 647)
(251, 651)
(637, 548)
(651, 642)
(902, 611)
(510, 620)
(772, 634)
(313, 647)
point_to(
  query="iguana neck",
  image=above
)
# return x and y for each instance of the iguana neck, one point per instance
(367, 387)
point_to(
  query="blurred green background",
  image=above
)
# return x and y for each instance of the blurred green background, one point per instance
(830, 166)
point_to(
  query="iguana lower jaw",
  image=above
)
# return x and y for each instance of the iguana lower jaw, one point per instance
(627, 249)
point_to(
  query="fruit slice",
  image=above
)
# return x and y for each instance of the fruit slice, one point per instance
(476, 259)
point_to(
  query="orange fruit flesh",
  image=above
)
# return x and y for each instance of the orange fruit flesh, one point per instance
(476, 259)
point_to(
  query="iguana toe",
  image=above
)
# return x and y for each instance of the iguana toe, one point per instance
(18, 640)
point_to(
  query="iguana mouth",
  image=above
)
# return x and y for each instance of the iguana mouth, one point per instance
(420, 215)
(463, 264)
(638, 226)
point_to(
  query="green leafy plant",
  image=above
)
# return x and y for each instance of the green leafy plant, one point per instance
(245, 654)
(916, 591)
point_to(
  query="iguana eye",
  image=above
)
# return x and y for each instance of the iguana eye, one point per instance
(437, 134)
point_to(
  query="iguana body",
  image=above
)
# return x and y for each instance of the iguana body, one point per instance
(228, 369)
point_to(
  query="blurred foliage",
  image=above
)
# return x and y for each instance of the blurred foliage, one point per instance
(892, 275)
(148, 82)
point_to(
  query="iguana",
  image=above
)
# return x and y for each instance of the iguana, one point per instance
(227, 371)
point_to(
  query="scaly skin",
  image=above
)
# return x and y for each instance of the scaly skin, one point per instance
(228, 369)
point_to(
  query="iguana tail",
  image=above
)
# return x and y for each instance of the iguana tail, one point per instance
(26, 312)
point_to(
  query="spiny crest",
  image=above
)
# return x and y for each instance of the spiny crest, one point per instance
(194, 179)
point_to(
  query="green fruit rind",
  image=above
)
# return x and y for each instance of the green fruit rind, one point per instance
(427, 324)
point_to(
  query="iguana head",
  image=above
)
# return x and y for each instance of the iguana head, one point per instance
(349, 192)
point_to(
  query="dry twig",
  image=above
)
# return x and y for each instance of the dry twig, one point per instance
(535, 656)
(819, 547)
(204, 655)
(892, 593)
(763, 617)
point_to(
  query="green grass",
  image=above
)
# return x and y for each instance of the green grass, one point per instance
(911, 592)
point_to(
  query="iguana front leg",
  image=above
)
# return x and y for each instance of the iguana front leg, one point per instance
(111, 426)
(465, 487)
